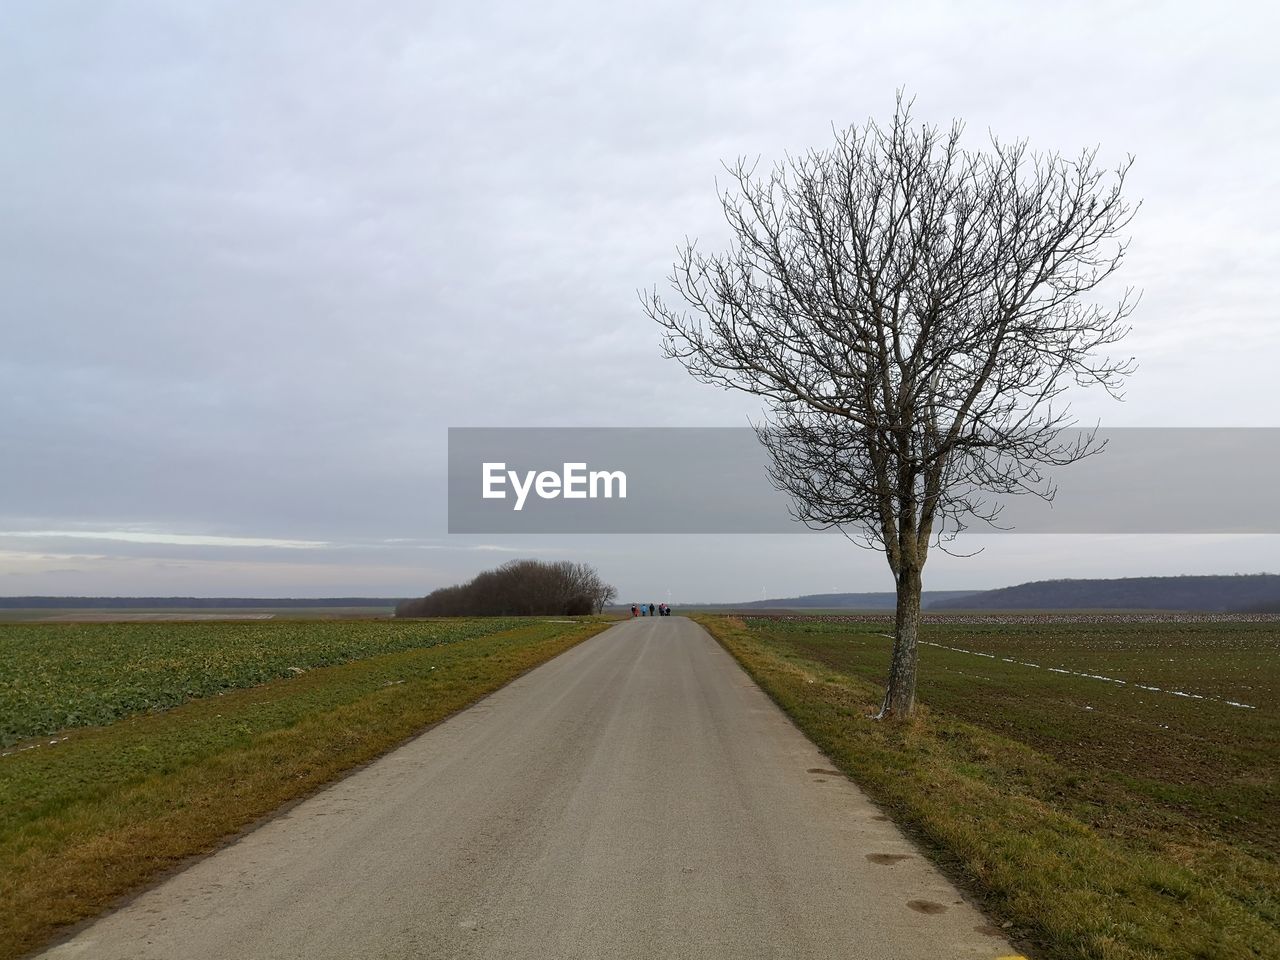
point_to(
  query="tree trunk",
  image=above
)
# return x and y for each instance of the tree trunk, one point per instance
(900, 695)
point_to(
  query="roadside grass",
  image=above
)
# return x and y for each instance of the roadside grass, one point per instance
(110, 809)
(1141, 827)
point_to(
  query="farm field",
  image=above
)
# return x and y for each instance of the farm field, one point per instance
(90, 813)
(152, 614)
(58, 676)
(1109, 785)
(1193, 727)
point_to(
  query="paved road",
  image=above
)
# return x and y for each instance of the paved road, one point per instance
(638, 797)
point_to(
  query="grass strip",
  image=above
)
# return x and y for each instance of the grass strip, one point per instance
(971, 798)
(110, 809)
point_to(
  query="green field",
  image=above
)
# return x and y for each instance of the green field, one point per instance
(1087, 778)
(58, 676)
(90, 813)
(121, 614)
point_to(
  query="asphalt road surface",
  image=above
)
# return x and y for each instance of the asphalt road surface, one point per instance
(637, 797)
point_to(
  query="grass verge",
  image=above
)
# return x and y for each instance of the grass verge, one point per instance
(110, 809)
(1012, 824)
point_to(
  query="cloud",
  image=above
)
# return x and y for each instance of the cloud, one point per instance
(255, 260)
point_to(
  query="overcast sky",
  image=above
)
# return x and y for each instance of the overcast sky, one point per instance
(255, 259)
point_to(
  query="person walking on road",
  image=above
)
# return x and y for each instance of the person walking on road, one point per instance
(651, 609)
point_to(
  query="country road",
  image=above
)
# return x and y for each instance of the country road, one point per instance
(637, 797)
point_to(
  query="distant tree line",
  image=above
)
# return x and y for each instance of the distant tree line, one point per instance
(520, 588)
(1241, 593)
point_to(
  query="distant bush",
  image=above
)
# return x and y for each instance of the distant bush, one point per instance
(521, 588)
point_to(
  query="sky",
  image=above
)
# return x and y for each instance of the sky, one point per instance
(256, 259)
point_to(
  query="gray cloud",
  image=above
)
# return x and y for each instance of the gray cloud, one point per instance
(255, 259)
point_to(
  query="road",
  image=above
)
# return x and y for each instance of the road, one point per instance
(637, 797)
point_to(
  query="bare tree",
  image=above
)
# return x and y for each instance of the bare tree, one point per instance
(912, 312)
(520, 588)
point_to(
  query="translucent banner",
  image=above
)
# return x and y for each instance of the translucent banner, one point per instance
(715, 480)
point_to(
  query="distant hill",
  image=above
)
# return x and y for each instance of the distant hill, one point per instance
(834, 601)
(1220, 594)
(184, 603)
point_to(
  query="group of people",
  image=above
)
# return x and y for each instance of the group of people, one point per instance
(640, 610)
